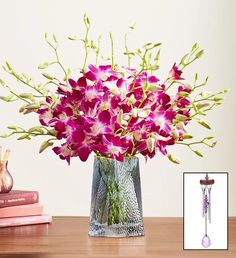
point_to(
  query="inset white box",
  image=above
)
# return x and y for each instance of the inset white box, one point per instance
(205, 204)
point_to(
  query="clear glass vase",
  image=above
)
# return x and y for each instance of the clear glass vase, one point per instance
(116, 205)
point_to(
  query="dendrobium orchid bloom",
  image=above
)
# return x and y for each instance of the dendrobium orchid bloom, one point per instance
(117, 114)
(113, 147)
(175, 73)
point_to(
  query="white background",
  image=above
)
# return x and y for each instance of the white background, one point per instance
(177, 24)
(194, 223)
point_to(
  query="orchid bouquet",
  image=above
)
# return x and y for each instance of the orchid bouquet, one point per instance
(114, 111)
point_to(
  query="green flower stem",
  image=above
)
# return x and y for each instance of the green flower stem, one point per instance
(58, 61)
(184, 66)
(11, 72)
(16, 95)
(103, 206)
(207, 98)
(204, 110)
(144, 61)
(189, 145)
(144, 65)
(135, 78)
(23, 131)
(52, 139)
(116, 210)
(112, 50)
(173, 82)
(60, 64)
(30, 133)
(87, 25)
(127, 50)
(193, 51)
(36, 96)
(98, 50)
(198, 86)
(208, 109)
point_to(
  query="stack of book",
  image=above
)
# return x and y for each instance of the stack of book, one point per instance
(20, 207)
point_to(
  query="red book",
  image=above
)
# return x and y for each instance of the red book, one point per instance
(21, 210)
(29, 220)
(18, 197)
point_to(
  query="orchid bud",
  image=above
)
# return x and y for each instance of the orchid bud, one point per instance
(175, 134)
(213, 144)
(202, 105)
(154, 88)
(22, 108)
(181, 118)
(29, 96)
(172, 159)
(120, 117)
(2, 83)
(54, 38)
(104, 106)
(224, 91)
(198, 153)
(45, 145)
(137, 135)
(195, 46)
(24, 136)
(4, 135)
(204, 124)
(72, 38)
(134, 112)
(205, 94)
(32, 106)
(180, 125)
(37, 129)
(217, 99)
(124, 123)
(150, 141)
(209, 137)
(8, 98)
(43, 65)
(182, 61)
(131, 100)
(199, 54)
(143, 113)
(48, 76)
(9, 66)
(12, 127)
(183, 94)
(186, 136)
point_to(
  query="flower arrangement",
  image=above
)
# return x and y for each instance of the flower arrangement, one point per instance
(114, 111)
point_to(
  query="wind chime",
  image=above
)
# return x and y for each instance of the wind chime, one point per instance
(206, 185)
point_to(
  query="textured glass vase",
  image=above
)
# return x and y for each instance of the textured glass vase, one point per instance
(116, 205)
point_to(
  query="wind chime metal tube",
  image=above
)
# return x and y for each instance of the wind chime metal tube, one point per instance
(206, 185)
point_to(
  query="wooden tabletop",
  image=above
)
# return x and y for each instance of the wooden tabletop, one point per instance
(67, 237)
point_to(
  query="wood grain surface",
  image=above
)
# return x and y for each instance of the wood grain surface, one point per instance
(67, 237)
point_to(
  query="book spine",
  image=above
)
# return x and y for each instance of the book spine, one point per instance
(21, 210)
(19, 199)
(29, 220)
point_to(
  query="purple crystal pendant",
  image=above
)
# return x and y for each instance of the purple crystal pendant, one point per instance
(206, 242)
(206, 185)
